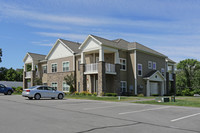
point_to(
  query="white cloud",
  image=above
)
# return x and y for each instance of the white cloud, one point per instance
(49, 26)
(76, 37)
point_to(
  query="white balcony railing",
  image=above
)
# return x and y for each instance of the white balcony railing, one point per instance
(28, 74)
(91, 68)
(170, 76)
(110, 68)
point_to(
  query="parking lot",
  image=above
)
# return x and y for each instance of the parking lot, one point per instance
(18, 114)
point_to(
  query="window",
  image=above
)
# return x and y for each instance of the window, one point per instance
(54, 86)
(53, 68)
(65, 66)
(163, 71)
(123, 86)
(122, 64)
(44, 69)
(65, 87)
(154, 65)
(139, 69)
(79, 62)
(150, 64)
(40, 88)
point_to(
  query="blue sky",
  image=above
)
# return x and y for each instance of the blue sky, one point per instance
(171, 27)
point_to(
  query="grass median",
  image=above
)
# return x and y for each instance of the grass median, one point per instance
(103, 98)
(180, 101)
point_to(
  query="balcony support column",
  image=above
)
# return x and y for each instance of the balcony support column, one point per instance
(101, 54)
(33, 77)
(82, 78)
(101, 78)
(25, 84)
(117, 79)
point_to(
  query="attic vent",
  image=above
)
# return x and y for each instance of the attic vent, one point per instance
(156, 76)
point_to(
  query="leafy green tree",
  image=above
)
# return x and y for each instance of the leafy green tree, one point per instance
(188, 72)
(70, 80)
(0, 54)
(11, 75)
(3, 72)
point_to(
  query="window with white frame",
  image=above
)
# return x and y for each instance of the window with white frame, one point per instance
(123, 86)
(54, 86)
(139, 69)
(154, 65)
(44, 69)
(163, 71)
(65, 87)
(66, 66)
(122, 64)
(150, 64)
(53, 68)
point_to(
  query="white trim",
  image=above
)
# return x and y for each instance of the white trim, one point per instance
(151, 67)
(56, 68)
(62, 66)
(74, 64)
(138, 69)
(122, 64)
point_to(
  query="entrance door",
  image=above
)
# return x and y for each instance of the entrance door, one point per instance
(154, 88)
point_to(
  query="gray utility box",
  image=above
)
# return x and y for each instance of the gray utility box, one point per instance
(162, 99)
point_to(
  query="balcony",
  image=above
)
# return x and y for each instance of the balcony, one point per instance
(110, 68)
(93, 68)
(28, 74)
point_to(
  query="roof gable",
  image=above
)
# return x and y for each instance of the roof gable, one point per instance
(155, 76)
(59, 50)
(90, 43)
(30, 57)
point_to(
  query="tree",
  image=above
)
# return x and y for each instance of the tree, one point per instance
(188, 73)
(0, 54)
(3, 72)
(11, 75)
(70, 80)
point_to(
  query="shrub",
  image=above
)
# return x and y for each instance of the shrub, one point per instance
(67, 93)
(140, 95)
(155, 95)
(111, 94)
(94, 94)
(17, 89)
(76, 93)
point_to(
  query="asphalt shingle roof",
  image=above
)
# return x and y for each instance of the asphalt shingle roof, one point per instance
(123, 44)
(38, 57)
(72, 45)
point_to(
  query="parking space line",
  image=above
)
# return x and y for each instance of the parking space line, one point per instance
(138, 111)
(107, 107)
(185, 117)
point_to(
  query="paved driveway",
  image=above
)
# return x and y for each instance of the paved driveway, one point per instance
(20, 115)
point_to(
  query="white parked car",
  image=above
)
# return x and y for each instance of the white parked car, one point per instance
(42, 91)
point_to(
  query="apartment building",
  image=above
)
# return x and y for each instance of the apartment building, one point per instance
(102, 66)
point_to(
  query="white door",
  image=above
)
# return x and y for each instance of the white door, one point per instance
(154, 88)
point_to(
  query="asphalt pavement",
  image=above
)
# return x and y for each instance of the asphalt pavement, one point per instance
(20, 115)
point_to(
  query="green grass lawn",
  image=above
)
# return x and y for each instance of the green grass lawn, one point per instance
(104, 98)
(180, 101)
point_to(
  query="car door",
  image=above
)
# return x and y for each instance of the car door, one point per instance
(2, 87)
(41, 91)
(51, 92)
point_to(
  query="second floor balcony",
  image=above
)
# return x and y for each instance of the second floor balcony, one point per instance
(93, 68)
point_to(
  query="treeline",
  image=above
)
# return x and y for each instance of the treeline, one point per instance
(188, 77)
(11, 74)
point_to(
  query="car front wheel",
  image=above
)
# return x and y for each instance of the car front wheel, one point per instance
(60, 96)
(37, 96)
(9, 92)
